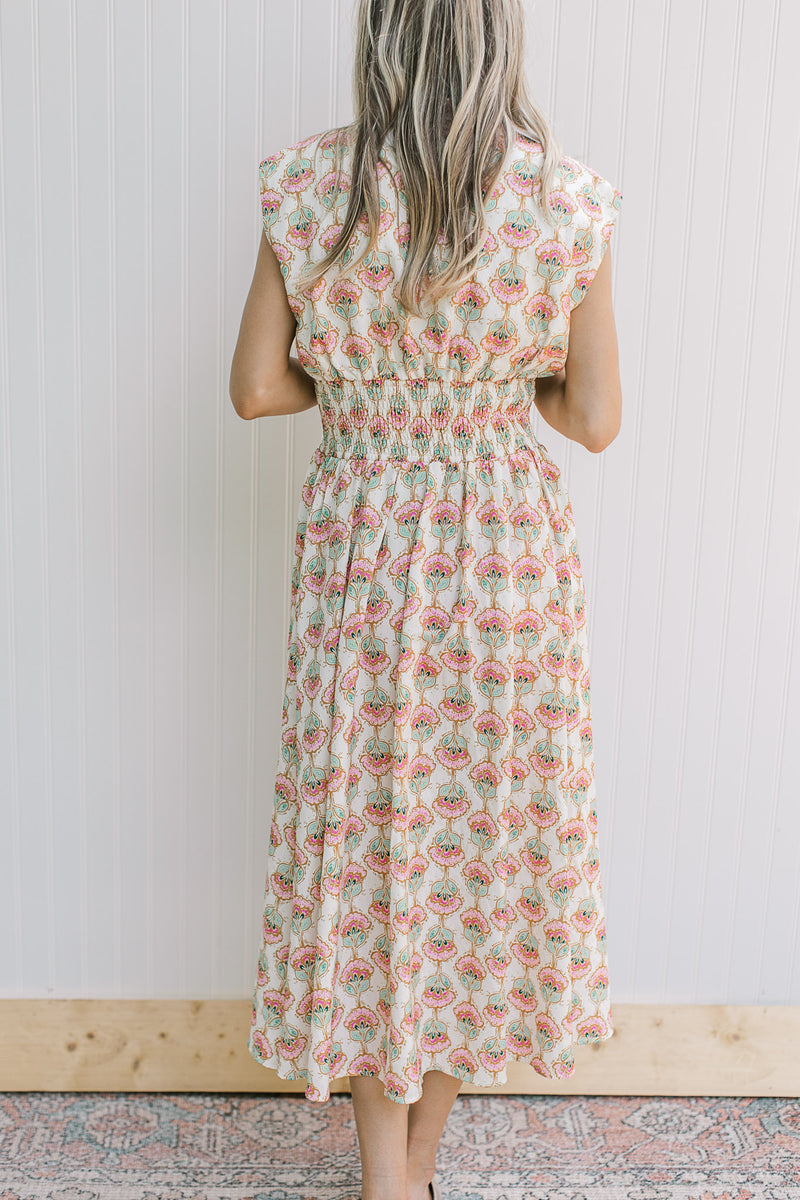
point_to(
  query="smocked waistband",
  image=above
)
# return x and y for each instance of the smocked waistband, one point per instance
(401, 420)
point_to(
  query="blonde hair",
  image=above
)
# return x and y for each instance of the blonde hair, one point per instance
(446, 77)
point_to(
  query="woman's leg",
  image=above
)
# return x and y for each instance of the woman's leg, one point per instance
(382, 1126)
(427, 1118)
(398, 1142)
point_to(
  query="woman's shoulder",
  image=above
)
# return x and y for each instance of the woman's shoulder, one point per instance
(575, 176)
(570, 171)
(296, 165)
(594, 195)
(304, 148)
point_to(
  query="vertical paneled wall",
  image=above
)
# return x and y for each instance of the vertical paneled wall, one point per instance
(146, 531)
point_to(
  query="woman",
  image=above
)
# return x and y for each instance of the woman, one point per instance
(433, 902)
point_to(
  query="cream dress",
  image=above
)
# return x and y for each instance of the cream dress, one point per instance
(433, 885)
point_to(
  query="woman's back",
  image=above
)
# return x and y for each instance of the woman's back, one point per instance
(510, 321)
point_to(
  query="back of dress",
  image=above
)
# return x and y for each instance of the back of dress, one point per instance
(433, 893)
(510, 321)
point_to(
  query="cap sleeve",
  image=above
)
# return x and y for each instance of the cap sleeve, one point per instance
(290, 207)
(598, 204)
(273, 198)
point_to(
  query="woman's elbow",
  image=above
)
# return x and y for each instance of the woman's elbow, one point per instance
(245, 404)
(602, 437)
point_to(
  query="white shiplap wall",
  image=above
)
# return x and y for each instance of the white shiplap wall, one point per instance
(141, 520)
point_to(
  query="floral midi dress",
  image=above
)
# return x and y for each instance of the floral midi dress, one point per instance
(433, 890)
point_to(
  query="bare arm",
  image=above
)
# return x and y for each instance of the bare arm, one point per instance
(583, 401)
(265, 380)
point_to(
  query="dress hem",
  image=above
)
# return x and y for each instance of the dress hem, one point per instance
(481, 1079)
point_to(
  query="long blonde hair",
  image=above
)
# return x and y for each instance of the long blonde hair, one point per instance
(446, 77)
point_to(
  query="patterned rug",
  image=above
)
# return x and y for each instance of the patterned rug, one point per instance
(111, 1146)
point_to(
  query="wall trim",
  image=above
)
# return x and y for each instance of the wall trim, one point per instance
(143, 1045)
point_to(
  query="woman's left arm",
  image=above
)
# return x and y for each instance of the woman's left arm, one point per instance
(265, 380)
